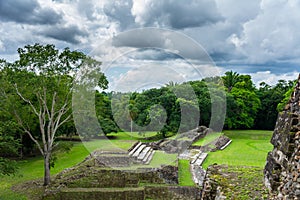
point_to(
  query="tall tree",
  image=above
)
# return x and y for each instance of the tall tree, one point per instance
(47, 91)
(230, 79)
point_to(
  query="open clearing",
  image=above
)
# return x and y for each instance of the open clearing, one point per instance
(248, 148)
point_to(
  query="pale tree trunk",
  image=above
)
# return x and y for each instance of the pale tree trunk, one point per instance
(47, 177)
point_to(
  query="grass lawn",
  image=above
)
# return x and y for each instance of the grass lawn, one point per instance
(184, 174)
(132, 136)
(248, 148)
(161, 157)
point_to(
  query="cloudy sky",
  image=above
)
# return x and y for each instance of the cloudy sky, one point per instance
(257, 37)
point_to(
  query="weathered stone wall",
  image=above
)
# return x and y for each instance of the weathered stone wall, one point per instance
(109, 159)
(282, 170)
(157, 192)
(98, 194)
(172, 192)
(88, 176)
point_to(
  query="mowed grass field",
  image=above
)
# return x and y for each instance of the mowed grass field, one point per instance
(248, 147)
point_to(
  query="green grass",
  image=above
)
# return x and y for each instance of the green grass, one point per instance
(207, 139)
(161, 157)
(248, 148)
(132, 136)
(184, 173)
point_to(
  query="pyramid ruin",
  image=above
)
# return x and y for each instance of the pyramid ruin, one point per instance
(282, 170)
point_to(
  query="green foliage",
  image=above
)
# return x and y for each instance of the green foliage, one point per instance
(230, 79)
(284, 101)
(8, 148)
(242, 106)
(7, 166)
(242, 101)
(273, 99)
(104, 113)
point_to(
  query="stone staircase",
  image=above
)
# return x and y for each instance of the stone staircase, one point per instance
(141, 153)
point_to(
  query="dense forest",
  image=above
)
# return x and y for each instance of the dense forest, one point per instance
(35, 101)
(247, 107)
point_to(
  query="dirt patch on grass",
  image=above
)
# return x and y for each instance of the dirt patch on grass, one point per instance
(34, 190)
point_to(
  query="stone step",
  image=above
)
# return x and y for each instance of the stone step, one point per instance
(145, 159)
(134, 149)
(150, 157)
(138, 151)
(144, 153)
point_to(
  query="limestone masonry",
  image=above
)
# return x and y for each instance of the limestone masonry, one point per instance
(282, 170)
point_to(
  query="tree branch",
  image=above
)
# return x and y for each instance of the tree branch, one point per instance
(26, 100)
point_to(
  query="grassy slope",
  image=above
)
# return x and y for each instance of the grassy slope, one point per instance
(248, 148)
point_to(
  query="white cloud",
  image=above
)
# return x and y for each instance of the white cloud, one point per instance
(274, 34)
(131, 75)
(271, 78)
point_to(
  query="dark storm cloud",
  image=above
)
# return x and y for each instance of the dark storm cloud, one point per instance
(27, 12)
(68, 34)
(166, 40)
(139, 38)
(176, 14)
(153, 54)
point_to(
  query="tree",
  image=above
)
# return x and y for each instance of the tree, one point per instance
(9, 140)
(270, 97)
(47, 93)
(230, 79)
(8, 147)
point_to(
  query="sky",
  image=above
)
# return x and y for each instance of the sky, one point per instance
(152, 42)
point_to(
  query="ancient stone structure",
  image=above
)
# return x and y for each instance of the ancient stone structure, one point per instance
(183, 141)
(141, 153)
(282, 170)
(110, 159)
(95, 179)
(127, 175)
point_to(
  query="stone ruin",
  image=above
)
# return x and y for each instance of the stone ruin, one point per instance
(93, 179)
(128, 175)
(282, 170)
(185, 140)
